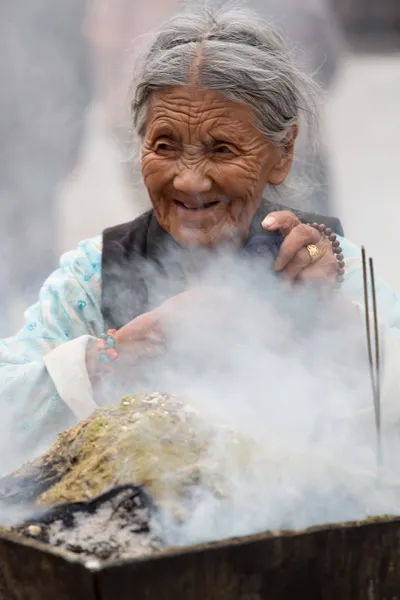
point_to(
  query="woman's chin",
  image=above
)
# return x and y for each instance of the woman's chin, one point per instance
(206, 238)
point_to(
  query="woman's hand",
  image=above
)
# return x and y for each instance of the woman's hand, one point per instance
(294, 260)
(140, 338)
(147, 335)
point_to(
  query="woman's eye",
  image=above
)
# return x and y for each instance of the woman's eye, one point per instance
(164, 147)
(223, 149)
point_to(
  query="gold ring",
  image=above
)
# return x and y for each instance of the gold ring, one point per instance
(314, 252)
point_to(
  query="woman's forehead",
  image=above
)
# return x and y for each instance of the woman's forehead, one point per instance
(192, 108)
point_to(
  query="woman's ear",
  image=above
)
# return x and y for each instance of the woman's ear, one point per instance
(281, 168)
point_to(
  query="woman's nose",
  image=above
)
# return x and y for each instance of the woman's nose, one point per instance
(192, 181)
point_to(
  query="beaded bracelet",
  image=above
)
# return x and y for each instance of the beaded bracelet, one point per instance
(336, 247)
(107, 349)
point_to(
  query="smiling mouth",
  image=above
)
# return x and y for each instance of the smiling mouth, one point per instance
(196, 207)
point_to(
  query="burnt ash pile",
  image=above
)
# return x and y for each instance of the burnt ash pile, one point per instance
(119, 524)
(92, 493)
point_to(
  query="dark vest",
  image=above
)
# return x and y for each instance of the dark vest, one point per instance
(135, 261)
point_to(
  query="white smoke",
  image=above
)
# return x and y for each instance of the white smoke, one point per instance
(287, 368)
(299, 392)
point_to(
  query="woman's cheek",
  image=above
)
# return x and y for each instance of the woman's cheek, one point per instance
(157, 172)
(242, 193)
(153, 176)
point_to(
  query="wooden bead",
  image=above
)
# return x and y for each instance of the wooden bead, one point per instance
(336, 247)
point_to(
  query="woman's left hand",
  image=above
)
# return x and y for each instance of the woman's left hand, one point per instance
(294, 259)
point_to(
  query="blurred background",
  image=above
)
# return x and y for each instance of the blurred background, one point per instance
(65, 168)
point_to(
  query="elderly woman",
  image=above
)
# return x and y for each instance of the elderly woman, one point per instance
(217, 107)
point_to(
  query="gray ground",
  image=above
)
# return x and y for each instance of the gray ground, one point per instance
(364, 131)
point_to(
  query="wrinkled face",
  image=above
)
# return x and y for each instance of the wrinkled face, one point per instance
(205, 165)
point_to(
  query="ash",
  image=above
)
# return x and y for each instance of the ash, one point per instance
(117, 525)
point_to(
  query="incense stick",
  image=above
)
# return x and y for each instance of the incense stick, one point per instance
(373, 358)
(376, 331)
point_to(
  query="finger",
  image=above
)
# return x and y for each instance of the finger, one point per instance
(324, 272)
(296, 266)
(300, 237)
(301, 270)
(284, 220)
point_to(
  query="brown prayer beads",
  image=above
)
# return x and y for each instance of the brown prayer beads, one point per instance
(336, 247)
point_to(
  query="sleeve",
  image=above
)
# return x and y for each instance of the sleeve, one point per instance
(44, 385)
(388, 307)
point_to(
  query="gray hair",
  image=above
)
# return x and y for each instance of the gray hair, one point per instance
(242, 57)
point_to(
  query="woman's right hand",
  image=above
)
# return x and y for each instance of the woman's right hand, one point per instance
(140, 329)
(148, 334)
(138, 339)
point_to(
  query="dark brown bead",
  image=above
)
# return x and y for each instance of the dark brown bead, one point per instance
(315, 225)
(328, 231)
(341, 264)
(336, 243)
(339, 257)
(341, 271)
(332, 237)
(322, 227)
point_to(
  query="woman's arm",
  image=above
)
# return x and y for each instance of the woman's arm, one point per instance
(44, 385)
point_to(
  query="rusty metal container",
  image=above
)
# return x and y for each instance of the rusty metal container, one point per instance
(355, 561)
